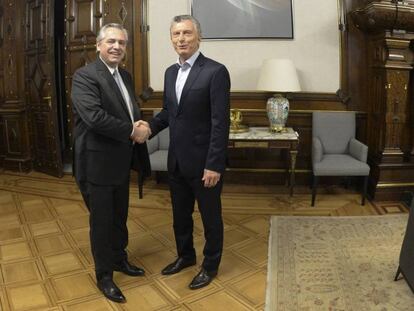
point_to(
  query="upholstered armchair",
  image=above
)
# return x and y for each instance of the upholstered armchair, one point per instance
(335, 151)
(158, 151)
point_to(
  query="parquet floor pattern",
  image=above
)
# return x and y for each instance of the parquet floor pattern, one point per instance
(46, 262)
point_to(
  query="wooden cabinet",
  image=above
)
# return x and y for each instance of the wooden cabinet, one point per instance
(388, 29)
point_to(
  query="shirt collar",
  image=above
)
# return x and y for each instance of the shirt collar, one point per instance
(111, 69)
(189, 61)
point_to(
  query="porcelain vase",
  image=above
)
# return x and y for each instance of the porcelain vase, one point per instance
(277, 112)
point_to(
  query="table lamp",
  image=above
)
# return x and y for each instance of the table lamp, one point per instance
(279, 76)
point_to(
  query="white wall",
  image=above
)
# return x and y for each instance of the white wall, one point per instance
(315, 49)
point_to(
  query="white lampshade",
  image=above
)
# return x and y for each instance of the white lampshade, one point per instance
(278, 75)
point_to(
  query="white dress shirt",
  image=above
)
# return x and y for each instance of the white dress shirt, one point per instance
(183, 72)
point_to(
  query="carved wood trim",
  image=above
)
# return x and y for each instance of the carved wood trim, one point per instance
(343, 92)
(141, 28)
(1, 25)
(377, 16)
(80, 31)
(13, 109)
(263, 111)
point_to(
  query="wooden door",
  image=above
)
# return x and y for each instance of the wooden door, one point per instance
(40, 87)
(14, 142)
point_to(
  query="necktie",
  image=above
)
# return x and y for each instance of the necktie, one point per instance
(124, 92)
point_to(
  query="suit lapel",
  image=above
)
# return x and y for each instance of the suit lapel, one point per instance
(106, 75)
(194, 72)
(170, 96)
(174, 78)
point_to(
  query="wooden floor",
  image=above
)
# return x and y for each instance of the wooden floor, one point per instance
(46, 262)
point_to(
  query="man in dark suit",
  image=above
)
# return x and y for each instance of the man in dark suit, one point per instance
(108, 141)
(196, 109)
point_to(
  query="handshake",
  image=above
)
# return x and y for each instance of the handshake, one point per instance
(141, 132)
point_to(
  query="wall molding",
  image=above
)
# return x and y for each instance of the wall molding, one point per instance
(302, 96)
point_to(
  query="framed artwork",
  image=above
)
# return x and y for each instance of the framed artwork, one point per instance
(244, 19)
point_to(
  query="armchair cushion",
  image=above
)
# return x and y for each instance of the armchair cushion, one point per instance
(158, 149)
(340, 165)
(164, 139)
(153, 144)
(317, 150)
(358, 150)
(334, 130)
(158, 160)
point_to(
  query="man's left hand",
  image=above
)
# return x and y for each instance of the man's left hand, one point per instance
(210, 178)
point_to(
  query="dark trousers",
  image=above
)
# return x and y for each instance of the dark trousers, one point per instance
(184, 192)
(108, 207)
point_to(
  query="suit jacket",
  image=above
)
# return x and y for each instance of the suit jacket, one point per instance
(103, 151)
(199, 123)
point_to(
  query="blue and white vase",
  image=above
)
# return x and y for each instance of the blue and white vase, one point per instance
(277, 112)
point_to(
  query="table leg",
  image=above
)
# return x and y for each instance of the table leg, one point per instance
(292, 154)
(287, 168)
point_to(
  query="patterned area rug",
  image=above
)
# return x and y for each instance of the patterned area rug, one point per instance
(336, 263)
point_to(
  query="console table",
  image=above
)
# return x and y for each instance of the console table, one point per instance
(261, 137)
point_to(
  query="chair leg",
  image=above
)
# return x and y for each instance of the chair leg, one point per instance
(157, 177)
(314, 186)
(364, 190)
(311, 182)
(140, 185)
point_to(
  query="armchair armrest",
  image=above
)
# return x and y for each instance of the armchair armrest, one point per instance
(358, 150)
(317, 150)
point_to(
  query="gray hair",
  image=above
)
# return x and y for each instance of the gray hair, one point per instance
(102, 31)
(181, 18)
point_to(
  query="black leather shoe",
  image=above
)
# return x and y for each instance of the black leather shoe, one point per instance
(203, 278)
(125, 267)
(178, 265)
(110, 290)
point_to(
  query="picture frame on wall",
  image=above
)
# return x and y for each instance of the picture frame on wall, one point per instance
(244, 19)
